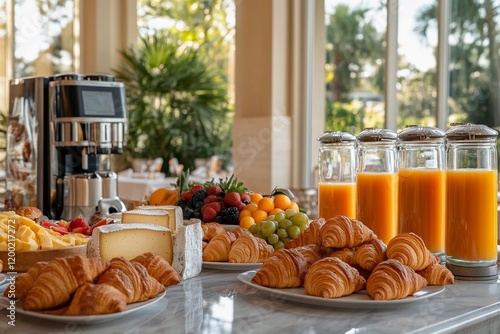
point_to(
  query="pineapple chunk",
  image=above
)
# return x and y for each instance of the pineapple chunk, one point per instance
(3, 246)
(26, 246)
(25, 234)
(57, 243)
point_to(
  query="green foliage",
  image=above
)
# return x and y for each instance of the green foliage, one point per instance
(177, 102)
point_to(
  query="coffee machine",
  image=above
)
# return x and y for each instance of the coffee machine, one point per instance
(61, 134)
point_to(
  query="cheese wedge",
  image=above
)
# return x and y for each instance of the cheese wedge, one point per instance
(188, 249)
(139, 216)
(130, 240)
(175, 214)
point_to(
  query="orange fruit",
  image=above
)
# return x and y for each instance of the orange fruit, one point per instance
(266, 204)
(294, 206)
(282, 201)
(251, 207)
(243, 214)
(259, 215)
(255, 197)
(159, 196)
(246, 222)
(275, 211)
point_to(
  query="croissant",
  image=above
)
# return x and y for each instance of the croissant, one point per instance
(60, 278)
(24, 281)
(341, 231)
(285, 268)
(131, 279)
(92, 299)
(409, 249)
(159, 268)
(436, 274)
(344, 254)
(249, 249)
(240, 231)
(1, 266)
(371, 253)
(391, 279)
(211, 229)
(331, 277)
(218, 248)
(310, 235)
(311, 252)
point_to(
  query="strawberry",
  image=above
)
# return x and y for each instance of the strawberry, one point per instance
(217, 206)
(210, 199)
(187, 195)
(197, 187)
(240, 206)
(47, 224)
(99, 223)
(214, 190)
(78, 222)
(59, 229)
(209, 214)
(245, 198)
(82, 230)
(232, 198)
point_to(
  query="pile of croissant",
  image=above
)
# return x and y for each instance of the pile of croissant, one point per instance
(237, 246)
(341, 256)
(79, 285)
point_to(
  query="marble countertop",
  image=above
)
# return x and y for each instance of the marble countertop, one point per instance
(217, 302)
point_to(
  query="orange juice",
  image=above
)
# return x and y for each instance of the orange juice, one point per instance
(421, 206)
(336, 199)
(376, 203)
(471, 215)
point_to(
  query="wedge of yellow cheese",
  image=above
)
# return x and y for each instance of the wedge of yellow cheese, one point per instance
(138, 216)
(130, 240)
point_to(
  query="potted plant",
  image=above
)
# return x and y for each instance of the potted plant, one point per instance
(177, 103)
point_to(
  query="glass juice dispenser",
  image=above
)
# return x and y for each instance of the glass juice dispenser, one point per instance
(376, 182)
(471, 202)
(421, 185)
(337, 175)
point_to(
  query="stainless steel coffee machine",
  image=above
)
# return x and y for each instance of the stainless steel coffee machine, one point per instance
(62, 131)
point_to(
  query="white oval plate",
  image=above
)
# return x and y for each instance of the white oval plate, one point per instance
(82, 319)
(231, 266)
(355, 300)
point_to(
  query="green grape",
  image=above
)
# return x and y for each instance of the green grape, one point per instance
(302, 227)
(282, 233)
(280, 216)
(257, 228)
(293, 231)
(276, 224)
(268, 228)
(259, 235)
(279, 245)
(285, 240)
(285, 224)
(299, 218)
(271, 217)
(289, 213)
(273, 238)
(253, 229)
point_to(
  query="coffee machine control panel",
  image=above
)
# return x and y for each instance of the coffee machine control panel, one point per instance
(88, 113)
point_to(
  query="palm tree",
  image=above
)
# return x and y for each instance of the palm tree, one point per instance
(177, 102)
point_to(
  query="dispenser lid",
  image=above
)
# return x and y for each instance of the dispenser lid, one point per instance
(330, 137)
(377, 135)
(460, 131)
(420, 133)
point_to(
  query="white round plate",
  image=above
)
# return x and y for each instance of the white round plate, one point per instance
(83, 319)
(231, 266)
(355, 300)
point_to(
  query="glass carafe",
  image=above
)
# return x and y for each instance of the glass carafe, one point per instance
(376, 182)
(421, 185)
(471, 199)
(337, 175)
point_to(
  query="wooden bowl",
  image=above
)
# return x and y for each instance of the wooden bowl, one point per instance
(23, 260)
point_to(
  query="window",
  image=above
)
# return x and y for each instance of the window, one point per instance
(471, 70)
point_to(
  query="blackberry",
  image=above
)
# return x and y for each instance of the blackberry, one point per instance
(228, 216)
(199, 196)
(188, 212)
(182, 203)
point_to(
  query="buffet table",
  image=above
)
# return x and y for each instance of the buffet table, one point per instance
(217, 302)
